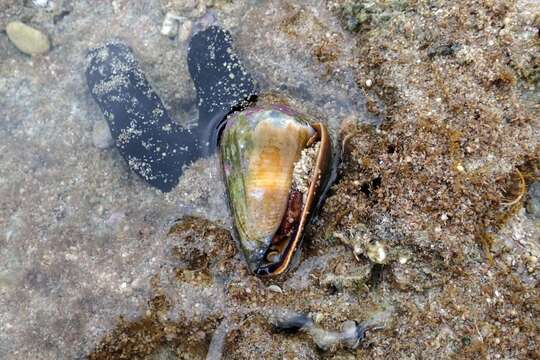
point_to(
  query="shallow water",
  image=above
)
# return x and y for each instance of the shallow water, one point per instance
(88, 266)
(82, 236)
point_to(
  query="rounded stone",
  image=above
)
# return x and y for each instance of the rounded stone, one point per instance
(101, 135)
(275, 288)
(27, 39)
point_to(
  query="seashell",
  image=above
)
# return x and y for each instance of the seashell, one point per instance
(261, 149)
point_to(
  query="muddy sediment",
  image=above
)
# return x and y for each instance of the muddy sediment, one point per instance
(97, 265)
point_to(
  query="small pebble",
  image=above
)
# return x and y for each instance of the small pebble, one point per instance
(275, 288)
(169, 26)
(531, 263)
(369, 82)
(376, 252)
(27, 39)
(41, 3)
(101, 135)
(176, 25)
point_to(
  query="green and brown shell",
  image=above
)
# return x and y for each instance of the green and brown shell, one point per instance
(266, 152)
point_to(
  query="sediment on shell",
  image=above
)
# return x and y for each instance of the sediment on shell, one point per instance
(303, 170)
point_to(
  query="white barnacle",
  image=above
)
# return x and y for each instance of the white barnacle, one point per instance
(157, 113)
(106, 86)
(129, 133)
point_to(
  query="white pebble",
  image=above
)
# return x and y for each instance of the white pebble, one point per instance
(369, 82)
(41, 3)
(169, 26)
(376, 252)
(101, 135)
(275, 288)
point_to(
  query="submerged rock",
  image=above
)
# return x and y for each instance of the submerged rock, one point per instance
(27, 39)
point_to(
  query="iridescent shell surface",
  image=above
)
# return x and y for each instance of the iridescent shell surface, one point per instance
(259, 148)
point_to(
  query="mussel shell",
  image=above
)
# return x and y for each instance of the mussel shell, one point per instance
(259, 148)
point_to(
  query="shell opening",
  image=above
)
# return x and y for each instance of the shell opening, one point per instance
(282, 241)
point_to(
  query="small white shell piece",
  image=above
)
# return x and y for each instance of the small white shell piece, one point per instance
(173, 25)
(169, 26)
